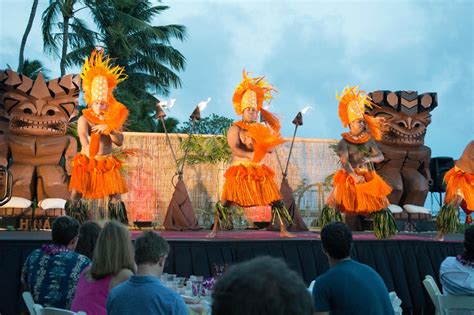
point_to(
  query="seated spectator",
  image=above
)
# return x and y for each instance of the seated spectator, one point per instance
(457, 273)
(348, 287)
(88, 232)
(112, 264)
(51, 272)
(263, 285)
(143, 292)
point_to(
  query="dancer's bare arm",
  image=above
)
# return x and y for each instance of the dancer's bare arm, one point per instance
(233, 139)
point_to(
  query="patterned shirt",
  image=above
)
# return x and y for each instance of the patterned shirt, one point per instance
(51, 273)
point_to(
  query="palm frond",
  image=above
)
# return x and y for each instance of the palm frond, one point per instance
(49, 21)
(31, 69)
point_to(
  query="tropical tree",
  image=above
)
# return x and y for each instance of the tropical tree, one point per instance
(21, 58)
(31, 69)
(126, 33)
(70, 32)
(171, 125)
(213, 124)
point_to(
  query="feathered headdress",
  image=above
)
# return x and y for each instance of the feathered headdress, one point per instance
(352, 104)
(253, 92)
(99, 79)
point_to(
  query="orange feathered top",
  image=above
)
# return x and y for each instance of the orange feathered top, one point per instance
(264, 138)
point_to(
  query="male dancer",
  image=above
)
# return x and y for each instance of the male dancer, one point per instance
(248, 182)
(96, 172)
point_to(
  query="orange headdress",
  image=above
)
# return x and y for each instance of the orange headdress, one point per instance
(99, 79)
(252, 92)
(352, 103)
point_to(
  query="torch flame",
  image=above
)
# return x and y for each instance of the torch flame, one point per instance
(203, 104)
(304, 110)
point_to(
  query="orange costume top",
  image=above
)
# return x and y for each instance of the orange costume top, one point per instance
(96, 176)
(460, 181)
(252, 183)
(371, 195)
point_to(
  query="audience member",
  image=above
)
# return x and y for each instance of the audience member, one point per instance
(51, 272)
(457, 273)
(348, 287)
(143, 292)
(263, 285)
(112, 264)
(88, 233)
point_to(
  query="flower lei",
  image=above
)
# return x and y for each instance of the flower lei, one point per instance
(53, 249)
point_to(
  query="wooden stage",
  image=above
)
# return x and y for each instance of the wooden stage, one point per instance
(402, 261)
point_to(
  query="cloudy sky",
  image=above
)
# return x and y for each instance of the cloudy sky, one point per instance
(309, 50)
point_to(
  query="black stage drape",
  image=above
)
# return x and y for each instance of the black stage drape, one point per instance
(402, 264)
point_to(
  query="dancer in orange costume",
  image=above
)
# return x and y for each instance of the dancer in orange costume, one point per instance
(248, 182)
(459, 193)
(96, 172)
(357, 188)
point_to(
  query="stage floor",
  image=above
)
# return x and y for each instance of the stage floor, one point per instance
(253, 235)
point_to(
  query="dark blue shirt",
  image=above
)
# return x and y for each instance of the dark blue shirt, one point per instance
(351, 288)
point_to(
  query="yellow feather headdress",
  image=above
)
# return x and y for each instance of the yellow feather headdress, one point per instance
(99, 78)
(253, 92)
(352, 104)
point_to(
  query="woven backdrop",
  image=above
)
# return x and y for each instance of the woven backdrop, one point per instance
(150, 176)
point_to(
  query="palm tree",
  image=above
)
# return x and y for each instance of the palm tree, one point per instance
(25, 35)
(72, 31)
(171, 125)
(31, 68)
(125, 32)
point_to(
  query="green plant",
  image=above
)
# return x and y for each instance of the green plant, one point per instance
(206, 149)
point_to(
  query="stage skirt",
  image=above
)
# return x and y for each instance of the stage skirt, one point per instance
(250, 184)
(459, 182)
(97, 177)
(363, 198)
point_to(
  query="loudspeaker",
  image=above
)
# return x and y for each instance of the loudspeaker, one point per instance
(438, 168)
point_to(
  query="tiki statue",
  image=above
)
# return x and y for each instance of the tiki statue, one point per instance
(407, 159)
(34, 143)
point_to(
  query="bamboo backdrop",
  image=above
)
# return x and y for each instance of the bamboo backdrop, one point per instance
(150, 176)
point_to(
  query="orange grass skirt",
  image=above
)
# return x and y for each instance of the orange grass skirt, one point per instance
(455, 180)
(363, 198)
(250, 184)
(98, 177)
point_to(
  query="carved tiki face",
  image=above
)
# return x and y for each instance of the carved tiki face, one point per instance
(407, 113)
(37, 107)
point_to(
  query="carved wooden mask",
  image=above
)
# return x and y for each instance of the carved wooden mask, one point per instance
(407, 113)
(38, 107)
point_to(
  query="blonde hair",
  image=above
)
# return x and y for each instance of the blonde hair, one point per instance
(113, 251)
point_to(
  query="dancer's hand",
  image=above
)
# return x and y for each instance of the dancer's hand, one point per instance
(100, 129)
(358, 178)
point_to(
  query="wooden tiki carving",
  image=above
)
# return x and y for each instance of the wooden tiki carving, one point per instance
(407, 159)
(34, 116)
